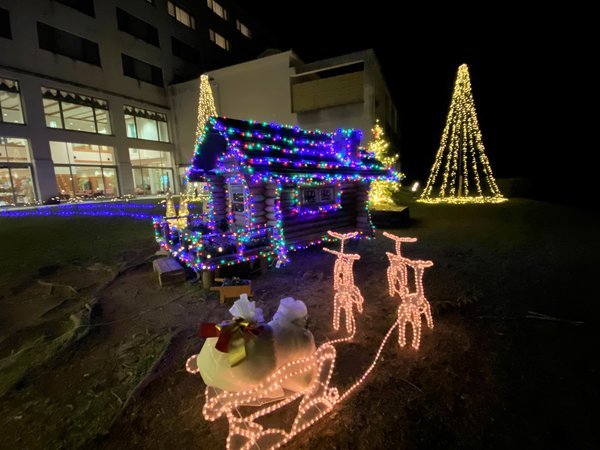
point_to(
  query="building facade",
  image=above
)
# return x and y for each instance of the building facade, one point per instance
(84, 107)
(347, 91)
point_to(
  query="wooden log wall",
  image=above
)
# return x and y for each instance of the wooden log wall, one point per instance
(257, 199)
(362, 214)
(270, 195)
(299, 228)
(220, 202)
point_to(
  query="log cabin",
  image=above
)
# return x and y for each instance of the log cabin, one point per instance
(272, 189)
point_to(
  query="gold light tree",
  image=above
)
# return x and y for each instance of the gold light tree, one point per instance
(461, 154)
(206, 106)
(381, 191)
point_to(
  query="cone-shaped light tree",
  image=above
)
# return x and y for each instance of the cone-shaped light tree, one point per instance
(381, 191)
(461, 172)
(206, 106)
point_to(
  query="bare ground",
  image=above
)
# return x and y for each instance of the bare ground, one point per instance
(490, 375)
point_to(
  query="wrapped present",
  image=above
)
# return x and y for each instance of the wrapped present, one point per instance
(241, 352)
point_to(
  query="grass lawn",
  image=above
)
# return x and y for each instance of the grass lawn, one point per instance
(30, 244)
(511, 361)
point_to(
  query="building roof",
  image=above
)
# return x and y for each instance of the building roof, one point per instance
(267, 151)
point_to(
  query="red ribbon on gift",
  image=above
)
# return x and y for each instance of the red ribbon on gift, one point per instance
(231, 335)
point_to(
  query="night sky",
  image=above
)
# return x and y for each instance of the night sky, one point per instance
(528, 72)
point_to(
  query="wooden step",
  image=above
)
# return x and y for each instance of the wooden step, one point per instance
(169, 271)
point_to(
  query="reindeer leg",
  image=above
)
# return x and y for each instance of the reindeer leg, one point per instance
(390, 276)
(401, 327)
(427, 311)
(336, 312)
(416, 326)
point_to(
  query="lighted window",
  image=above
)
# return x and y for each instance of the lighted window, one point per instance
(11, 109)
(84, 170)
(243, 29)
(75, 112)
(16, 180)
(181, 15)
(314, 199)
(217, 9)
(145, 124)
(218, 39)
(152, 171)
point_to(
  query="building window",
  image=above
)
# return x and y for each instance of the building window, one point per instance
(84, 170)
(5, 31)
(181, 15)
(16, 180)
(142, 71)
(218, 39)
(84, 6)
(152, 171)
(137, 27)
(75, 111)
(184, 51)
(11, 110)
(243, 29)
(145, 124)
(67, 44)
(217, 9)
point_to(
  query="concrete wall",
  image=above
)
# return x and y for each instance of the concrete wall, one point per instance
(258, 90)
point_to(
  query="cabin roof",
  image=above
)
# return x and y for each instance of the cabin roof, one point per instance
(261, 150)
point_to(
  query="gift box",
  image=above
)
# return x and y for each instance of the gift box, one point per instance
(241, 352)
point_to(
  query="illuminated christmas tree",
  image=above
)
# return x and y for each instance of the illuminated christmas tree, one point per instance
(169, 205)
(206, 106)
(381, 191)
(184, 211)
(461, 159)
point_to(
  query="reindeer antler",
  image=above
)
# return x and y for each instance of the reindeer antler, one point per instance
(398, 240)
(343, 236)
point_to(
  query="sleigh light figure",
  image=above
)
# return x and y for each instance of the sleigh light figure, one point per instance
(413, 305)
(347, 293)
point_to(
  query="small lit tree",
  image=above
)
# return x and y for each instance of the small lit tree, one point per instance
(381, 191)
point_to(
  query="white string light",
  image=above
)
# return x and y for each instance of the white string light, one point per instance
(316, 400)
(413, 305)
(347, 293)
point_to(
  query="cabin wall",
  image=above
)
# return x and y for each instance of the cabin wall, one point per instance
(353, 214)
(256, 202)
(219, 202)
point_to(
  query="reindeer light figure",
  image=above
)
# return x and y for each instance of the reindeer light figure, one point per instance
(413, 304)
(347, 293)
(397, 273)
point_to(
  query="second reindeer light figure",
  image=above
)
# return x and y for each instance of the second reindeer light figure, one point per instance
(347, 293)
(413, 304)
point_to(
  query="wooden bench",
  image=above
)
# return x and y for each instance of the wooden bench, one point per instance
(169, 271)
(232, 291)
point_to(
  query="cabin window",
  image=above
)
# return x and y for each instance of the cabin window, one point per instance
(313, 199)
